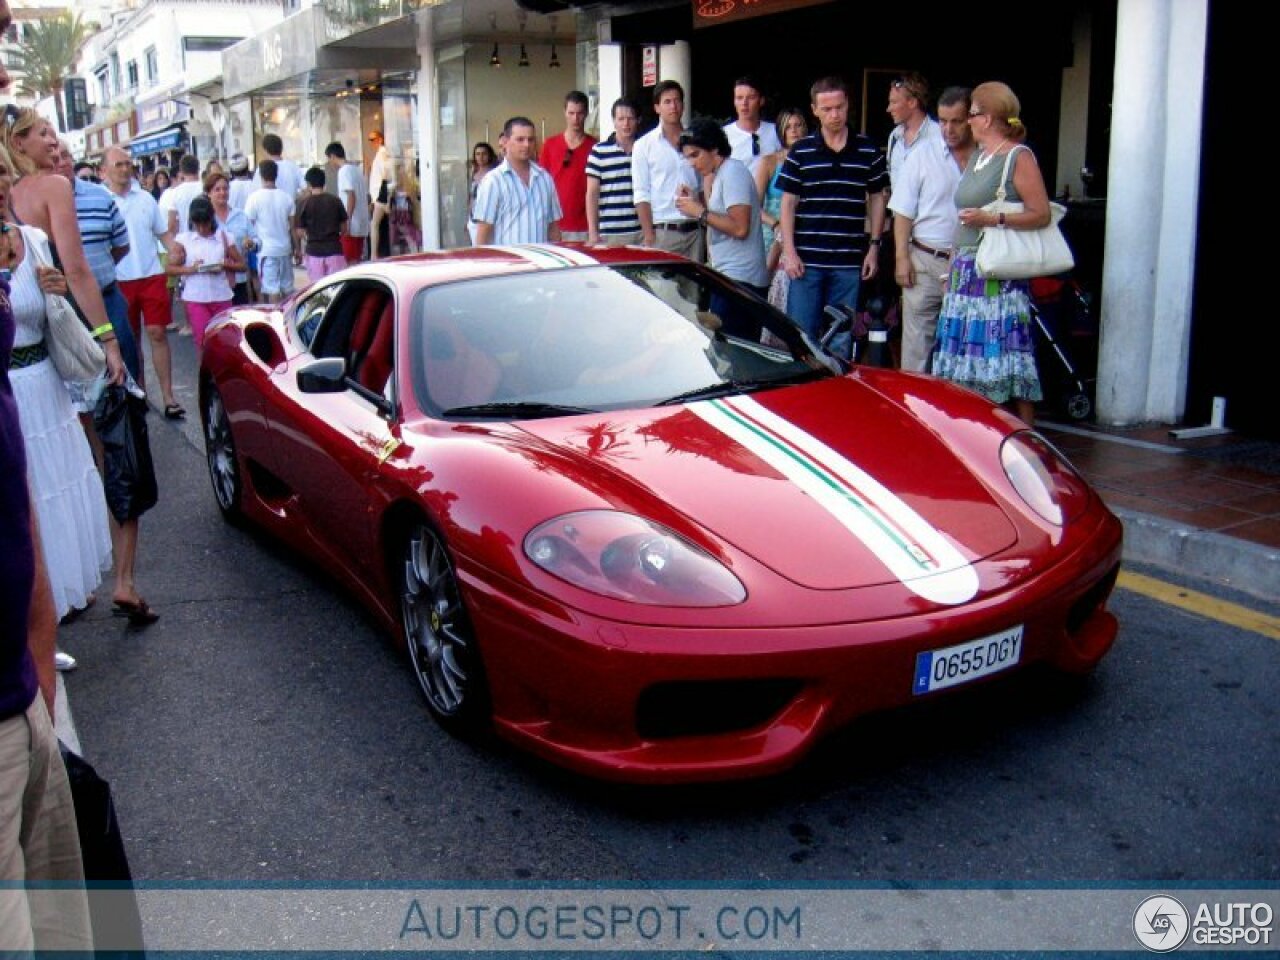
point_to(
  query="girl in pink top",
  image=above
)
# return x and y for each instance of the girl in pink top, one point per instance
(202, 257)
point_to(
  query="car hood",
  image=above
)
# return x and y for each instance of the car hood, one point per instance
(829, 484)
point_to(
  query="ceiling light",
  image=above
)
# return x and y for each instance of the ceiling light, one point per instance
(555, 59)
(524, 56)
(494, 59)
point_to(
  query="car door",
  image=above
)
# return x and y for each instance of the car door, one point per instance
(330, 446)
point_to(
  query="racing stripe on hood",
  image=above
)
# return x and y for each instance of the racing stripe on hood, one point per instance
(913, 550)
(548, 257)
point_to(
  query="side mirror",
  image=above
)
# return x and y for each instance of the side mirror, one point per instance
(328, 375)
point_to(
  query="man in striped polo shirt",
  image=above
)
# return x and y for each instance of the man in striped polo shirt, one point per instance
(517, 201)
(106, 241)
(611, 209)
(833, 184)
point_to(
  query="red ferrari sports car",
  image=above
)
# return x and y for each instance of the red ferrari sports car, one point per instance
(632, 519)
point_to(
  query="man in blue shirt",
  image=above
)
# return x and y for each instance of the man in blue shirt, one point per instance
(106, 241)
(517, 202)
(833, 205)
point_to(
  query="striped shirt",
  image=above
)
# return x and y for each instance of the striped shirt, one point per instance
(519, 213)
(831, 216)
(611, 165)
(101, 228)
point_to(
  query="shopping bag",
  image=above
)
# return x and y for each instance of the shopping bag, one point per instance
(129, 476)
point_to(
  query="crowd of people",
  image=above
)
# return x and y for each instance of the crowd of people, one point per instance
(799, 215)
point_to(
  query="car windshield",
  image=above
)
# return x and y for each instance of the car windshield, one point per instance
(559, 342)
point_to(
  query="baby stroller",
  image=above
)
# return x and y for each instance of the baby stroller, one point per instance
(1066, 344)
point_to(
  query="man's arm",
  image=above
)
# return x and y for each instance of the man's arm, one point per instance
(876, 203)
(903, 271)
(593, 209)
(42, 625)
(641, 186)
(791, 261)
(484, 233)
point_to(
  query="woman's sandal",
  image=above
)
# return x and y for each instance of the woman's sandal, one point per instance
(139, 614)
(174, 411)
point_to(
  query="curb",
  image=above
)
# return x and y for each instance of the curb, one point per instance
(1187, 550)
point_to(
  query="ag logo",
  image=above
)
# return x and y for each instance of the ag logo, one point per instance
(1161, 923)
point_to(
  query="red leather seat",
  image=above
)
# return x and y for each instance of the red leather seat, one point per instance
(375, 368)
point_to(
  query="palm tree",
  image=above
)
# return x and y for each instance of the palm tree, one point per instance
(49, 52)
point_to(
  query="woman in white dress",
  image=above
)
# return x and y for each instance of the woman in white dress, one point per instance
(66, 488)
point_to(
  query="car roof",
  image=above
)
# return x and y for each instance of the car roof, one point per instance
(428, 269)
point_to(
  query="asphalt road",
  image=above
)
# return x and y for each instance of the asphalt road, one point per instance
(264, 730)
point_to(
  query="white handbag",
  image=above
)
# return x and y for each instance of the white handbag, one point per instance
(1008, 254)
(76, 355)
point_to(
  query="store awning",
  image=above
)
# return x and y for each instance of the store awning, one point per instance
(153, 141)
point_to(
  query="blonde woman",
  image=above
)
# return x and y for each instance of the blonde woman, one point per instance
(40, 198)
(66, 490)
(792, 126)
(985, 337)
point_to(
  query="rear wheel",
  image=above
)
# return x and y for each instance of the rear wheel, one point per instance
(441, 642)
(1079, 406)
(220, 449)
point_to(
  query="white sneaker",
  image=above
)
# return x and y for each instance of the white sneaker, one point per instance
(64, 662)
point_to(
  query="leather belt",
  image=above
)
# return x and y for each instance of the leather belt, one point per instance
(681, 226)
(940, 254)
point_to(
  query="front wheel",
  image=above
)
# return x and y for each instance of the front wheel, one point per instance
(220, 450)
(438, 632)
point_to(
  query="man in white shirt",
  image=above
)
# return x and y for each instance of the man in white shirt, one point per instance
(659, 175)
(380, 187)
(288, 176)
(352, 193)
(241, 183)
(750, 137)
(271, 211)
(176, 201)
(139, 272)
(924, 224)
(517, 201)
(908, 108)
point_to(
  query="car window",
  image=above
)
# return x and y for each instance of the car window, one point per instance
(359, 327)
(598, 338)
(311, 310)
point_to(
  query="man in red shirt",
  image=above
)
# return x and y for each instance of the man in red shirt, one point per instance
(565, 157)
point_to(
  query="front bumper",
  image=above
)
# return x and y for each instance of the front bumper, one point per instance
(664, 705)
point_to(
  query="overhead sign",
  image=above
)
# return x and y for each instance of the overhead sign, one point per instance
(709, 13)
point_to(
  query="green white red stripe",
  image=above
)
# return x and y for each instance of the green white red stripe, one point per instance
(914, 551)
(549, 257)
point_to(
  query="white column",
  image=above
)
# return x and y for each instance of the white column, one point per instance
(428, 154)
(610, 60)
(675, 63)
(1152, 200)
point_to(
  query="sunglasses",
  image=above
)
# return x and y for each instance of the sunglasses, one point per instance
(755, 144)
(11, 114)
(975, 112)
(568, 156)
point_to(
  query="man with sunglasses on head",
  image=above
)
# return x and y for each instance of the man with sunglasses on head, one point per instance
(909, 109)
(750, 136)
(564, 156)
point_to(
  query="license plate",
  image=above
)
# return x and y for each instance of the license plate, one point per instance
(938, 669)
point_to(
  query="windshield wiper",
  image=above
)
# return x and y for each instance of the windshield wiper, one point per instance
(729, 387)
(516, 410)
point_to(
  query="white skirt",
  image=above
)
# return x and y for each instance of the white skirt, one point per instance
(65, 486)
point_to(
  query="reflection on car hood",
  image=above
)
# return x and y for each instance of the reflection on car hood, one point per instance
(828, 484)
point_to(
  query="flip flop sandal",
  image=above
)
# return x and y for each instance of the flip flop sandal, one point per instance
(139, 614)
(174, 411)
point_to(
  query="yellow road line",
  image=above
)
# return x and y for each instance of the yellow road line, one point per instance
(1201, 604)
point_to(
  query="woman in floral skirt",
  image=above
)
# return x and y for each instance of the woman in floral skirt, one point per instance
(985, 337)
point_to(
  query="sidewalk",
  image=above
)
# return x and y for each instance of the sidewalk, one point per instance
(1206, 508)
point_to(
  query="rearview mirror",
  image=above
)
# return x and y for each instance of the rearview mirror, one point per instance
(328, 375)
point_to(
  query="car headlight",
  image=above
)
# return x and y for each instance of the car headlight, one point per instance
(1050, 486)
(629, 558)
